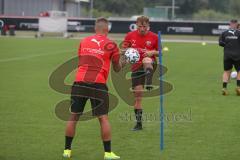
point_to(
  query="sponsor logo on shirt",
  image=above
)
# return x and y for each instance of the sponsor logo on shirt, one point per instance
(133, 42)
(92, 51)
(233, 32)
(231, 37)
(148, 43)
(97, 42)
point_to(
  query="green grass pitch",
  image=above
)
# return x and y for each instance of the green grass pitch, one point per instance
(208, 128)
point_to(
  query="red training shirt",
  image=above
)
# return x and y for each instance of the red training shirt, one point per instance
(95, 54)
(142, 43)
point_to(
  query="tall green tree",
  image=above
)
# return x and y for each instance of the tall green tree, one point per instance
(186, 7)
(120, 7)
(219, 5)
(235, 7)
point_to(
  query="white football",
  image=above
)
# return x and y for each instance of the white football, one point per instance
(234, 74)
(132, 55)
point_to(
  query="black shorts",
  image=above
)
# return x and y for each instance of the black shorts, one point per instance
(138, 76)
(96, 92)
(229, 63)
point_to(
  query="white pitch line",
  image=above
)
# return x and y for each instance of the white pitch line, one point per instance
(120, 39)
(190, 41)
(167, 40)
(54, 53)
(32, 56)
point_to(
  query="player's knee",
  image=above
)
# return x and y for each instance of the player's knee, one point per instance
(138, 91)
(147, 63)
(103, 118)
(238, 75)
(138, 88)
(227, 72)
(147, 60)
(138, 95)
(74, 117)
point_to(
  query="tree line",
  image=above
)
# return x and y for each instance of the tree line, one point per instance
(195, 9)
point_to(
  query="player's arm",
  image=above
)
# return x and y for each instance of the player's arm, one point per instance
(154, 52)
(116, 67)
(221, 40)
(125, 44)
(118, 60)
(118, 64)
(151, 53)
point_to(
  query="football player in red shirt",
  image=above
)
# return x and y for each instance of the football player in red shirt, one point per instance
(146, 42)
(95, 55)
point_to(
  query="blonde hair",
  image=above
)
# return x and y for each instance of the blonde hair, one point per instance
(101, 24)
(143, 19)
(101, 19)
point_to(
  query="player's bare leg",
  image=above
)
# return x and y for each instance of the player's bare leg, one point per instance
(106, 137)
(148, 68)
(226, 76)
(71, 125)
(70, 133)
(238, 84)
(138, 94)
(105, 132)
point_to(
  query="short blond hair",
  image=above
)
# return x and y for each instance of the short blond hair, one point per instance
(143, 19)
(101, 19)
(101, 24)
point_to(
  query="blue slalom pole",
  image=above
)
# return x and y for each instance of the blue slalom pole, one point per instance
(161, 92)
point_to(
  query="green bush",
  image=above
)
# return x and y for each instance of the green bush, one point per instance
(212, 15)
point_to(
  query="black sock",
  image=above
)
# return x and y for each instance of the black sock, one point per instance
(138, 114)
(107, 146)
(68, 142)
(238, 83)
(225, 84)
(149, 75)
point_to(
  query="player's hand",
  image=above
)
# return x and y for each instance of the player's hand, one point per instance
(149, 53)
